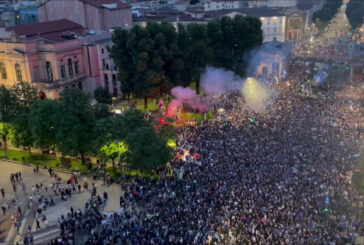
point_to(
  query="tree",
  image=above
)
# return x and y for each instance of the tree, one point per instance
(75, 122)
(355, 13)
(146, 151)
(112, 151)
(25, 95)
(152, 59)
(42, 123)
(5, 133)
(130, 121)
(8, 111)
(102, 95)
(199, 53)
(122, 54)
(101, 111)
(22, 132)
(328, 11)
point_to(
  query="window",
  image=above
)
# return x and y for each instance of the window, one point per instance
(18, 73)
(114, 80)
(77, 69)
(102, 50)
(79, 85)
(3, 71)
(274, 30)
(106, 78)
(49, 71)
(103, 63)
(70, 68)
(63, 71)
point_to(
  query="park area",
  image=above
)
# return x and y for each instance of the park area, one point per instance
(37, 159)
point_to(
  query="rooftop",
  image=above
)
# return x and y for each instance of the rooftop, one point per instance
(108, 4)
(277, 47)
(55, 31)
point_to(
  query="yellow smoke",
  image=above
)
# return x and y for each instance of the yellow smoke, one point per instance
(255, 95)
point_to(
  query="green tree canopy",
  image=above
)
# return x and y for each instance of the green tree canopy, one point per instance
(153, 59)
(146, 151)
(355, 13)
(101, 111)
(22, 133)
(26, 94)
(328, 11)
(102, 95)
(8, 112)
(42, 123)
(75, 122)
(8, 107)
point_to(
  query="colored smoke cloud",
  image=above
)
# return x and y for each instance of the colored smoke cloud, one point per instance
(218, 81)
(188, 97)
(256, 95)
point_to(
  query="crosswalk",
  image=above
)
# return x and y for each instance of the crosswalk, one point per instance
(44, 236)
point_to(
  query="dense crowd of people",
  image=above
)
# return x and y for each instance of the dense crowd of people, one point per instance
(277, 177)
(330, 50)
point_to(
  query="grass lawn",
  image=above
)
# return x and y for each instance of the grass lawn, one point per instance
(129, 173)
(38, 159)
(139, 105)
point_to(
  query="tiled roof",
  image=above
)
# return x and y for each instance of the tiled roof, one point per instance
(50, 30)
(99, 3)
(105, 3)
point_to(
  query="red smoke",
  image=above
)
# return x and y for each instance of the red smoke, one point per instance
(188, 97)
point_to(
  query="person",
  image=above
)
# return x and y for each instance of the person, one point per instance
(3, 207)
(26, 240)
(105, 196)
(37, 224)
(2, 192)
(31, 239)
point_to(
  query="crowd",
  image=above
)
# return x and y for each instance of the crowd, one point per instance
(278, 177)
(36, 199)
(330, 50)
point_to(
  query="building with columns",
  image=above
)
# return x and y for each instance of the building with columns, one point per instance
(54, 56)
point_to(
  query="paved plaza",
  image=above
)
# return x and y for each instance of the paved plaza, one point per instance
(9, 234)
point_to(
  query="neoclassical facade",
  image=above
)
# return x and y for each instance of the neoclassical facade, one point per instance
(54, 56)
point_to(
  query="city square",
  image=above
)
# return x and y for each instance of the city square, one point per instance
(199, 122)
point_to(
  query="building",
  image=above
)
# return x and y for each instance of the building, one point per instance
(218, 5)
(91, 14)
(212, 5)
(273, 21)
(272, 58)
(105, 71)
(18, 13)
(53, 56)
